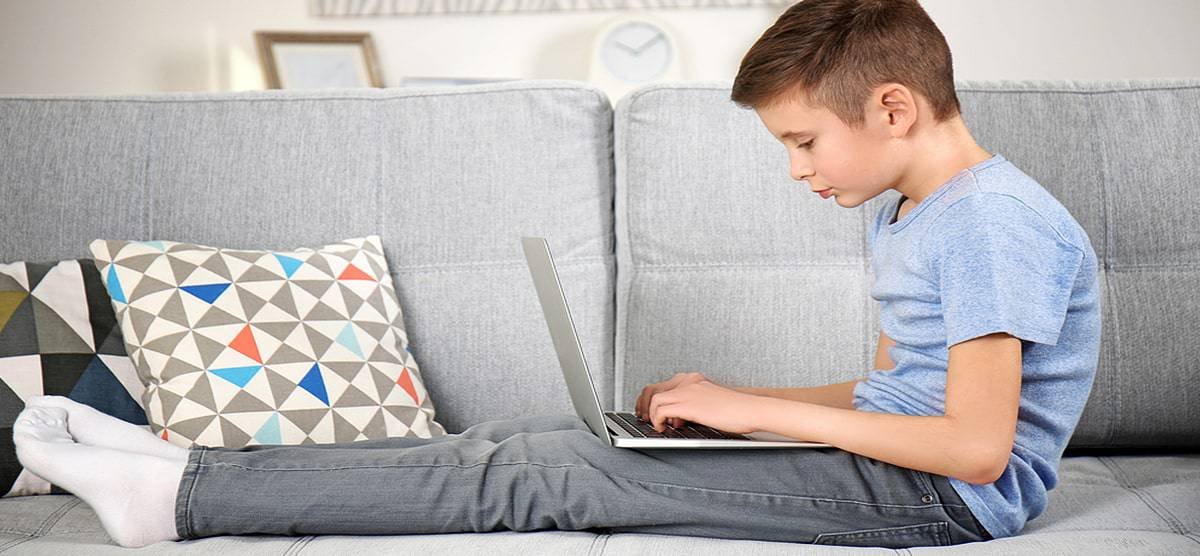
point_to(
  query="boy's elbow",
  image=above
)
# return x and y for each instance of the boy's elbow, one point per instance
(988, 475)
(988, 466)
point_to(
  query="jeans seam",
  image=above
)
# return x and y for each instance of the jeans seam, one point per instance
(926, 483)
(638, 481)
(974, 524)
(939, 527)
(387, 466)
(187, 500)
(789, 496)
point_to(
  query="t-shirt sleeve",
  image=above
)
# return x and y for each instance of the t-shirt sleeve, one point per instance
(1001, 267)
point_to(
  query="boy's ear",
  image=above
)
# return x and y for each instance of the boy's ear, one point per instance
(895, 107)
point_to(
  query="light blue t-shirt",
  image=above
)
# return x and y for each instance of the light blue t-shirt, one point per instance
(989, 251)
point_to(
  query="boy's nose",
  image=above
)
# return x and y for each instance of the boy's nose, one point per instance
(799, 167)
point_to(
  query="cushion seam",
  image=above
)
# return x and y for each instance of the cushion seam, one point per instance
(1181, 87)
(15, 542)
(996, 86)
(1108, 254)
(56, 516)
(1148, 499)
(1126, 267)
(284, 99)
(599, 543)
(471, 267)
(721, 265)
(298, 545)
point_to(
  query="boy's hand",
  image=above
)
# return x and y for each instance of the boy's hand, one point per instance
(642, 407)
(708, 404)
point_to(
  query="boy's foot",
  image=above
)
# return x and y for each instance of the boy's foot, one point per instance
(94, 428)
(132, 493)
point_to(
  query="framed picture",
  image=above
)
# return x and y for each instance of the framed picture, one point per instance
(302, 60)
(361, 8)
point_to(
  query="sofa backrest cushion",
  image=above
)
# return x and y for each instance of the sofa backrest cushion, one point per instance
(728, 266)
(450, 178)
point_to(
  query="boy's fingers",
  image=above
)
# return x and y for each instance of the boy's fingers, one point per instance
(643, 405)
(658, 417)
(641, 408)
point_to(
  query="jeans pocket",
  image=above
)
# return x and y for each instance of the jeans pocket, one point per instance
(924, 481)
(934, 533)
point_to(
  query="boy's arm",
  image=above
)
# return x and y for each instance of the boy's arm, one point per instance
(971, 442)
(840, 395)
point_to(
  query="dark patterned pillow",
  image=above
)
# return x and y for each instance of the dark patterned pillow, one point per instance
(59, 336)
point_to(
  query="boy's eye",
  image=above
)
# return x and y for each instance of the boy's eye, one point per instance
(806, 145)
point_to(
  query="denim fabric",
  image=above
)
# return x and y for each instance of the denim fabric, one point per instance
(551, 472)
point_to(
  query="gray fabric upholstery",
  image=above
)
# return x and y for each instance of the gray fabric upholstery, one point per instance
(712, 258)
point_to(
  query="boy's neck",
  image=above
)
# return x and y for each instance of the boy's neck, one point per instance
(946, 149)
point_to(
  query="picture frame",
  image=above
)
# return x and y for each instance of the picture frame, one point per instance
(317, 60)
(360, 8)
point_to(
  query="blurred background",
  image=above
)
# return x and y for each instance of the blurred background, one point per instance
(137, 46)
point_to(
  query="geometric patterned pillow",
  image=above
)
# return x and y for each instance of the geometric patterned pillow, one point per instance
(241, 347)
(58, 336)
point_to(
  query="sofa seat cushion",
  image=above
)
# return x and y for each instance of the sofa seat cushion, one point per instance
(63, 524)
(1140, 503)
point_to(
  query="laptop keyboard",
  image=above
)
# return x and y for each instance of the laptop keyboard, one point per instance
(637, 427)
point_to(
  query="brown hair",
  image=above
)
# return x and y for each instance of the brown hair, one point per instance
(835, 52)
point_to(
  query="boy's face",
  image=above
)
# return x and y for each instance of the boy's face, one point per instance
(857, 163)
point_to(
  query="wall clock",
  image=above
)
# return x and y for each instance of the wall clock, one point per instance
(631, 51)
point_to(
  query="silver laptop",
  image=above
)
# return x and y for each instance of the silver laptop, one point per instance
(620, 429)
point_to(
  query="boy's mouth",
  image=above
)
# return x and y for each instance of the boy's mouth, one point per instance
(825, 193)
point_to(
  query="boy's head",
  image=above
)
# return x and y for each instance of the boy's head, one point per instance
(868, 80)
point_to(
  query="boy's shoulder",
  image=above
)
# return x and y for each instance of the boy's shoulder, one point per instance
(1002, 195)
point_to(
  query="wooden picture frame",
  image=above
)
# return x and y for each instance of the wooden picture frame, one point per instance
(317, 60)
(359, 8)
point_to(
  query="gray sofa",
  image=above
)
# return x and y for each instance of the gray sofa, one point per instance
(682, 244)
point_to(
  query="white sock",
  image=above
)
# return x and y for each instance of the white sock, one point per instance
(95, 428)
(132, 493)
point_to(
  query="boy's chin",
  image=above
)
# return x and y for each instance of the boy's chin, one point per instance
(851, 200)
(845, 200)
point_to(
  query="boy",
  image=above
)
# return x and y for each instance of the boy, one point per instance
(986, 283)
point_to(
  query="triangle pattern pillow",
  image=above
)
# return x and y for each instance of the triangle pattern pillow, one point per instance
(241, 347)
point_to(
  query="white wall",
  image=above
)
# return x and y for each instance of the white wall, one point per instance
(127, 46)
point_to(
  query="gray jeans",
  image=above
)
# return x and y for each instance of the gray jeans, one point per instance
(550, 472)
